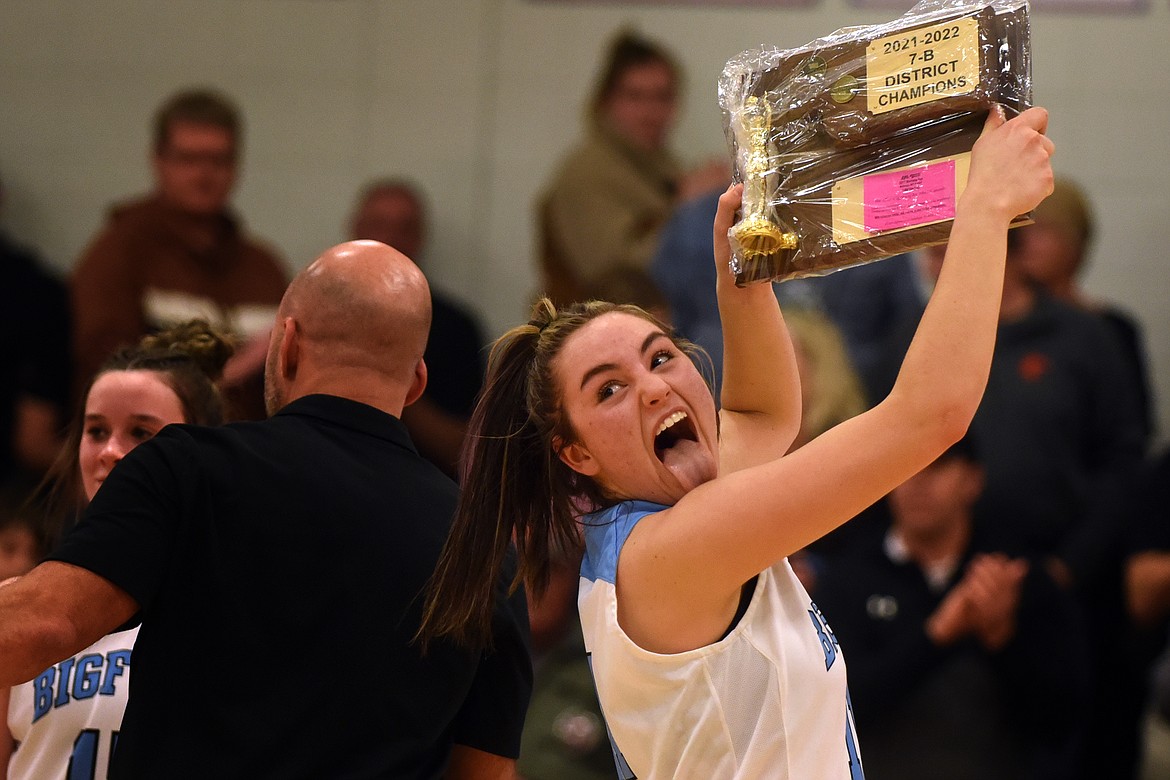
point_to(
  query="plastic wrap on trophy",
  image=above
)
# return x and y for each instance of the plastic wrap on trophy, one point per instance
(856, 146)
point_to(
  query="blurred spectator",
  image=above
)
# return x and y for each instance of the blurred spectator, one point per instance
(613, 193)
(34, 374)
(180, 253)
(1054, 252)
(964, 662)
(1059, 426)
(1061, 435)
(393, 211)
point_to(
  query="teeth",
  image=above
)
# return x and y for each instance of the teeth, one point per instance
(671, 420)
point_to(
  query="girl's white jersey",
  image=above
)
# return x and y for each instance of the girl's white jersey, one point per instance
(67, 718)
(769, 700)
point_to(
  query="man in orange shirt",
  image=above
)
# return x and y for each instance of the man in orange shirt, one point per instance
(179, 252)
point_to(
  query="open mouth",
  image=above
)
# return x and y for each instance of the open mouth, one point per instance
(674, 429)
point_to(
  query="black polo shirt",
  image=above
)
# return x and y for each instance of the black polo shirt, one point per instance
(278, 566)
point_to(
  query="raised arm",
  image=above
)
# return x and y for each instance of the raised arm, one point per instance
(724, 532)
(760, 398)
(945, 369)
(942, 378)
(51, 613)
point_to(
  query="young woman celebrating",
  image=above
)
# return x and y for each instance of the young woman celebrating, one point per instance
(709, 657)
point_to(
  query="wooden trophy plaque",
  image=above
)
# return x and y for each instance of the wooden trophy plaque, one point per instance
(856, 146)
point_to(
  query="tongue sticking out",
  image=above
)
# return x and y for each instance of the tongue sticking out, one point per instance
(688, 461)
(678, 448)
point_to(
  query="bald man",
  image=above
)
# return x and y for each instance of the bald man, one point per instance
(276, 566)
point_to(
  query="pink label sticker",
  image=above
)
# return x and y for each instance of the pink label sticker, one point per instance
(917, 196)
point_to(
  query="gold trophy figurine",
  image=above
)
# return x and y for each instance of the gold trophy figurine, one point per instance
(756, 235)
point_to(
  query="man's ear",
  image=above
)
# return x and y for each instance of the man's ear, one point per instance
(418, 384)
(576, 457)
(290, 349)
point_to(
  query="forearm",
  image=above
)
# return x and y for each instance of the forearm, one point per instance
(759, 363)
(760, 396)
(53, 612)
(30, 639)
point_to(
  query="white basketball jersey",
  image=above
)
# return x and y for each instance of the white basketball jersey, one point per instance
(767, 701)
(67, 718)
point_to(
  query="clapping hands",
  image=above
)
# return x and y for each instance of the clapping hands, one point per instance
(982, 604)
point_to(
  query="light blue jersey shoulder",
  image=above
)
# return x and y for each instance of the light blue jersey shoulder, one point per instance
(605, 533)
